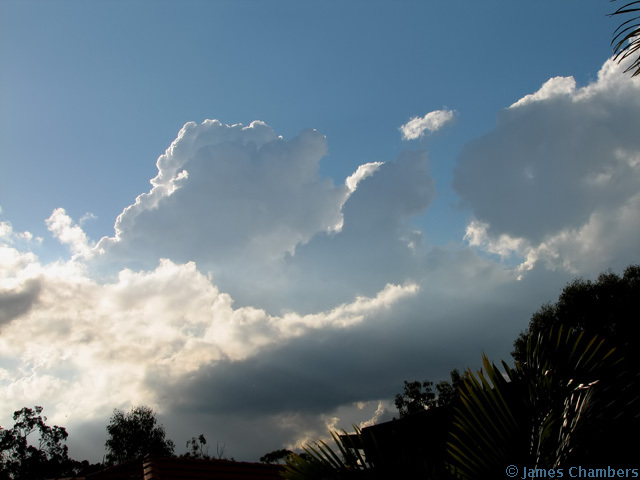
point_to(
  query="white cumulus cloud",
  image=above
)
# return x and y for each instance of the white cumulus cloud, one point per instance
(554, 87)
(560, 165)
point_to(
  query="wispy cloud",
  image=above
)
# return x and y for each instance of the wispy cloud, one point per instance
(63, 228)
(431, 122)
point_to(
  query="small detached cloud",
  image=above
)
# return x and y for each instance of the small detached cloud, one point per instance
(86, 217)
(431, 122)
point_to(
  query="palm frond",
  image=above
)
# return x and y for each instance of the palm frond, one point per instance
(626, 38)
(322, 462)
(536, 413)
(484, 424)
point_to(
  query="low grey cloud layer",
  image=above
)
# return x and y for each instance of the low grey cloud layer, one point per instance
(17, 302)
(246, 289)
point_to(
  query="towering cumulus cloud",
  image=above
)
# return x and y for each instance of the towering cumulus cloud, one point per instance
(230, 191)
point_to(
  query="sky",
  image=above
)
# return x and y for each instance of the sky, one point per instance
(260, 217)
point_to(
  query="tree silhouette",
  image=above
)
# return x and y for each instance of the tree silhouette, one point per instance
(607, 307)
(276, 456)
(22, 459)
(419, 396)
(196, 448)
(135, 434)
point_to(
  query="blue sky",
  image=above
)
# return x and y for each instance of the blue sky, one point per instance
(247, 287)
(107, 85)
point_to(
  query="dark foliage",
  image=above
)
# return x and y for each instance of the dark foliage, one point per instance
(22, 459)
(196, 448)
(609, 308)
(276, 456)
(136, 434)
(570, 402)
(32, 450)
(419, 396)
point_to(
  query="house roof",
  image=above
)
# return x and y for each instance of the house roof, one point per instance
(191, 469)
(157, 468)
